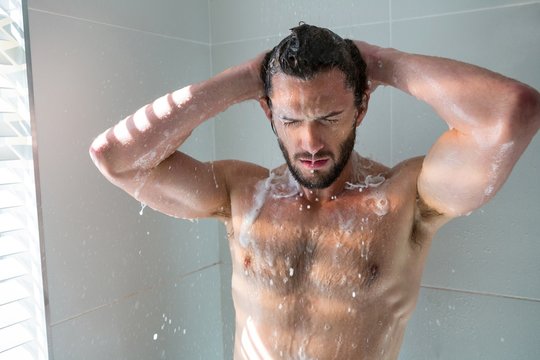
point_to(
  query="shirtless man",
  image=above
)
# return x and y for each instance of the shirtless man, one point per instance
(327, 249)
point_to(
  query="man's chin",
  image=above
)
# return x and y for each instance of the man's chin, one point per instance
(312, 180)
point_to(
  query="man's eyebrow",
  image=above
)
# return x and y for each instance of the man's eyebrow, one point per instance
(333, 113)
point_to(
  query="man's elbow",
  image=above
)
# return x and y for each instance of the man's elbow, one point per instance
(526, 111)
(99, 152)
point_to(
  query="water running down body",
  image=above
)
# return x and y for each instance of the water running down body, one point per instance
(328, 249)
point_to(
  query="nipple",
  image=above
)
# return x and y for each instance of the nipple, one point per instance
(247, 261)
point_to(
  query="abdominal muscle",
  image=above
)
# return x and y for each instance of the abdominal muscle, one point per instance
(311, 326)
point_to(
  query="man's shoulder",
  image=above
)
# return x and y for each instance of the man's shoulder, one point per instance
(238, 171)
(405, 171)
(409, 167)
(402, 179)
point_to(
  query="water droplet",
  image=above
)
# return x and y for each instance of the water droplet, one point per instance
(143, 205)
(155, 336)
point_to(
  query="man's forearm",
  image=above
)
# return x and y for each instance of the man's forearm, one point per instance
(467, 97)
(154, 132)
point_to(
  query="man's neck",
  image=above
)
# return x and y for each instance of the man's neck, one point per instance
(333, 191)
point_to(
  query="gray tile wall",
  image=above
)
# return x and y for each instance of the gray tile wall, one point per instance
(120, 285)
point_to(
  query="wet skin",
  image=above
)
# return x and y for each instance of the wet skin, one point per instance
(330, 273)
(331, 279)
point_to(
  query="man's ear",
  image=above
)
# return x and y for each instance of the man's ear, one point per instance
(362, 109)
(265, 105)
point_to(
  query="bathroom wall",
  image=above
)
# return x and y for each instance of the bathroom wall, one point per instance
(480, 295)
(120, 285)
(128, 286)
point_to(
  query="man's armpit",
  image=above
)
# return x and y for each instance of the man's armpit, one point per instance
(427, 212)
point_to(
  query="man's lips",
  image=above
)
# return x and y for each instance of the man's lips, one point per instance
(314, 163)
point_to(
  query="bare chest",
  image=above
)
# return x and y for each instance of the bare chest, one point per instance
(343, 248)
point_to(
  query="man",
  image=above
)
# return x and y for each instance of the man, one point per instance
(327, 249)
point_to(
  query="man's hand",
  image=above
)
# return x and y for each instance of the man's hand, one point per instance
(254, 68)
(369, 54)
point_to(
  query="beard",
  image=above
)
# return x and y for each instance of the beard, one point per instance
(318, 179)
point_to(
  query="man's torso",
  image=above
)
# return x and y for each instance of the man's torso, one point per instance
(338, 279)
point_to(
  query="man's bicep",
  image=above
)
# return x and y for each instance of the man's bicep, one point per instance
(462, 173)
(184, 187)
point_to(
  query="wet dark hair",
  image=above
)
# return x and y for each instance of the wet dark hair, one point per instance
(309, 50)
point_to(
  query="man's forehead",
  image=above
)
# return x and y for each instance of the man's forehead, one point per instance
(324, 93)
(330, 77)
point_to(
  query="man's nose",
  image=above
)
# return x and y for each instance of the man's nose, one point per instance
(311, 137)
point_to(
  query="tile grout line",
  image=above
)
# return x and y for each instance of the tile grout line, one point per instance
(466, 11)
(118, 26)
(221, 312)
(264, 37)
(483, 293)
(118, 300)
(390, 40)
(130, 295)
(210, 47)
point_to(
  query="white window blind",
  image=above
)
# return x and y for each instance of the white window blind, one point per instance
(22, 316)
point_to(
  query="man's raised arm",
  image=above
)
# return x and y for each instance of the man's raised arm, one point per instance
(491, 118)
(139, 153)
